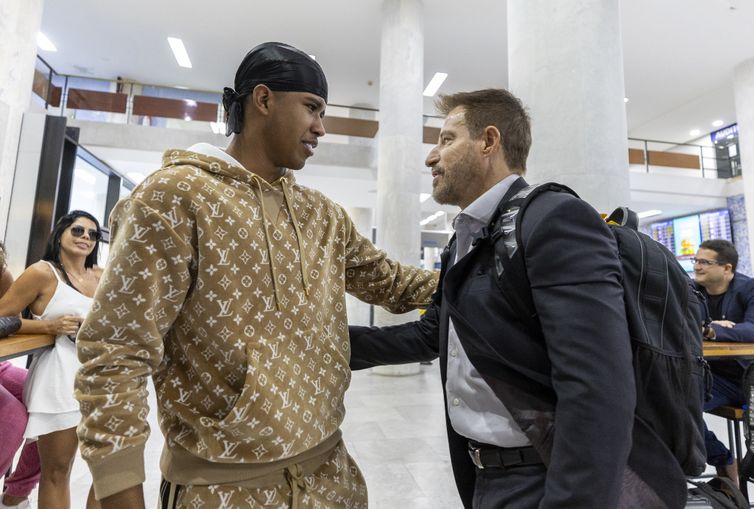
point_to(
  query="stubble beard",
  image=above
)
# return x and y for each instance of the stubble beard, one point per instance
(455, 181)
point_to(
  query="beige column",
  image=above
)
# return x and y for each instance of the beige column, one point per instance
(19, 24)
(565, 62)
(400, 141)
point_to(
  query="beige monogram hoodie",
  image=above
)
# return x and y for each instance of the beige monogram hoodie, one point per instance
(230, 292)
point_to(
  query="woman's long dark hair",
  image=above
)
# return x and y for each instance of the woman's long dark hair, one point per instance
(52, 251)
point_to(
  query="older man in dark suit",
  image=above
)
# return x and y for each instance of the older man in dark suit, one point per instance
(536, 417)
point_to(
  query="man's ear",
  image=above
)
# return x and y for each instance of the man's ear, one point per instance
(260, 98)
(491, 140)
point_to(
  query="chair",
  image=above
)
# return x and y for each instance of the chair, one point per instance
(734, 417)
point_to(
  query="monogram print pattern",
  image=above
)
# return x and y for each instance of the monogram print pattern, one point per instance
(236, 311)
(337, 484)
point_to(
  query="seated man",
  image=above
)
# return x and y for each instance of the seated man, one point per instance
(730, 298)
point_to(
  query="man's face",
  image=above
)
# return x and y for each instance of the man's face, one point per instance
(707, 271)
(295, 125)
(455, 163)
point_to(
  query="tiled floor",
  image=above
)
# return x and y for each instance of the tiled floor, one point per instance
(395, 429)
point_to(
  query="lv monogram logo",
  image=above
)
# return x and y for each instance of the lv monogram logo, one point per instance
(127, 284)
(269, 496)
(229, 450)
(214, 210)
(138, 233)
(268, 302)
(172, 217)
(224, 307)
(223, 256)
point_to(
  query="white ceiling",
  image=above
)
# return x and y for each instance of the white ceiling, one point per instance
(678, 54)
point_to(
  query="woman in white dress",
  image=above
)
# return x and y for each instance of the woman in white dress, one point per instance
(58, 290)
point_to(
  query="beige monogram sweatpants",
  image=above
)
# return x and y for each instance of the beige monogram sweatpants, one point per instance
(336, 484)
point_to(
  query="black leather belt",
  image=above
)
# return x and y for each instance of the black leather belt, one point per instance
(488, 456)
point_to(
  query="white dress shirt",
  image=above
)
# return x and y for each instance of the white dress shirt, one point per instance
(475, 411)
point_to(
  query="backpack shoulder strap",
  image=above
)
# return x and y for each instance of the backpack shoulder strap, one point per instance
(447, 252)
(623, 216)
(510, 263)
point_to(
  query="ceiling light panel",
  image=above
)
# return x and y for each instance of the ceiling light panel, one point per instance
(179, 51)
(44, 43)
(435, 83)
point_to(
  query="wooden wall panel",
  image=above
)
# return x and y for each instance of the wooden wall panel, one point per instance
(79, 99)
(635, 156)
(431, 135)
(351, 126)
(41, 86)
(174, 108)
(674, 160)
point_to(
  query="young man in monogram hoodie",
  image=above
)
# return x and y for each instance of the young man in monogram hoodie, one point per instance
(226, 283)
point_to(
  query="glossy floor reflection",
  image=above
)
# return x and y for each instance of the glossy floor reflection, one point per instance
(394, 428)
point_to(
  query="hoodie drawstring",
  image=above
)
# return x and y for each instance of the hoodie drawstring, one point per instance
(295, 475)
(294, 220)
(257, 181)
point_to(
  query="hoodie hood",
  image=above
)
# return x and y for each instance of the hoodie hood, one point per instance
(214, 160)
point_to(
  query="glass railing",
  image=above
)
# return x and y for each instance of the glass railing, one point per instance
(129, 102)
(125, 102)
(686, 159)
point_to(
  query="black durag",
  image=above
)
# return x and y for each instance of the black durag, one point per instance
(282, 68)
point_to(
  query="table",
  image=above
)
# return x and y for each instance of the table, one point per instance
(714, 349)
(18, 345)
(717, 350)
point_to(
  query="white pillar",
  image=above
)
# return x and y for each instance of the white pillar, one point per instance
(19, 24)
(743, 89)
(565, 62)
(400, 141)
(358, 311)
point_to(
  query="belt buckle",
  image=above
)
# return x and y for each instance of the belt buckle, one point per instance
(476, 458)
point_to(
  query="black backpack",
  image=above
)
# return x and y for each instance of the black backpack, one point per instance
(665, 317)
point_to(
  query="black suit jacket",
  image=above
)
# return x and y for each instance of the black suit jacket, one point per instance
(569, 384)
(738, 307)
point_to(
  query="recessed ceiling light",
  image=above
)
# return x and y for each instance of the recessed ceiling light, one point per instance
(625, 99)
(435, 83)
(44, 43)
(695, 132)
(717, 123)
(179, 51)
(649, 213)
(431, 218)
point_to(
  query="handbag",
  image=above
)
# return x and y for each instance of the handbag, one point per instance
(9, 325)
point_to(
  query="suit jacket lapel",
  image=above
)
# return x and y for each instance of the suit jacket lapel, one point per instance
(517, 185)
